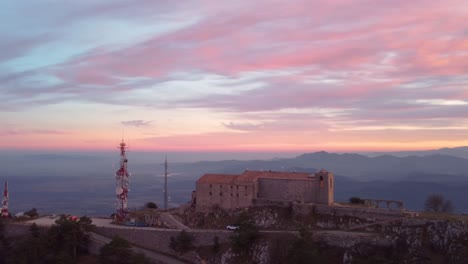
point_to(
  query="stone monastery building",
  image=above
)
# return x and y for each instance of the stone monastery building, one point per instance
(259, 187)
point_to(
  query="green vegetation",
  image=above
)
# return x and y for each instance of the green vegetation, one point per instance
(356, 200)
(70, 236)
(119, 251)
(151, 205)
(436, 203)
(64, 242)
(216, 245)
(4, 245)
(32, 213)
(304, 250)
(182, 243)
(246, 235)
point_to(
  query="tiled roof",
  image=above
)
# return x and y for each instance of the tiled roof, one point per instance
(251, 176)
(218, 178)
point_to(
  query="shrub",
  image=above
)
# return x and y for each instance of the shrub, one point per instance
(216, 245)
(438, 204)
(32, 213)
(356, 200)
(151, 205)
(182, 243)
(246, 235)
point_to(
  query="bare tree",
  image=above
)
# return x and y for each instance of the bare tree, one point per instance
(437, 203)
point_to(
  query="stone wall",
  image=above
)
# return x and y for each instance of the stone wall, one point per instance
(361, 212)
(269, 202)
(228, 196)
(288, 190)
(239, 194)
(158, 240)
(324, 190)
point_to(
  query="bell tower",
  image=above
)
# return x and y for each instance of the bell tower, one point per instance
(325, 187)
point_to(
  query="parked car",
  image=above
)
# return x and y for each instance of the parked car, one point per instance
(232, 227)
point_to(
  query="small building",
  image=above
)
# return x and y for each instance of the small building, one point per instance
(230, 191)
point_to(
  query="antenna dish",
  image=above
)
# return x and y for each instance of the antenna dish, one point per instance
(118, 191)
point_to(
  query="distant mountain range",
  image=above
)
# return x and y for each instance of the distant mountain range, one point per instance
(361, 167)
(85, 183)
(410, 179)
(461, 152)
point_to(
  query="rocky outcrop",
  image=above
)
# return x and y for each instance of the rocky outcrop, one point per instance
(263, 217)
(359, 234)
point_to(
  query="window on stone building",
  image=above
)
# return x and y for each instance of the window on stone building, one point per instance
(322, 184)
(210, 193)
(331, 183)
(220, 194)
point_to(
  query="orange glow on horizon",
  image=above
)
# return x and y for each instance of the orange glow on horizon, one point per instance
(336, 147)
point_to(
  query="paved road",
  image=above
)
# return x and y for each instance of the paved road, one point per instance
(106, 222)
(168, 217)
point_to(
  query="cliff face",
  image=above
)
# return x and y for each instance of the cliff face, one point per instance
(346, 235)
(420, 241)
(425, 242)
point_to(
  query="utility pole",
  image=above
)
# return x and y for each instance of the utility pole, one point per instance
(165, 184)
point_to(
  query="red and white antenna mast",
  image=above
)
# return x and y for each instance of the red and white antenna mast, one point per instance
(5, 212)
(122, 185)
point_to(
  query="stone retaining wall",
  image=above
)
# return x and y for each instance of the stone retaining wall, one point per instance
(15, 230)
(158, 240)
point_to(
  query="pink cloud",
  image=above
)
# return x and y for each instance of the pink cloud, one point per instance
(370, 61)
(22, 132)
(233, 43)
(137, 123)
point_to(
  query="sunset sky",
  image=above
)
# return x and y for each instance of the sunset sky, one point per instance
(345, 75)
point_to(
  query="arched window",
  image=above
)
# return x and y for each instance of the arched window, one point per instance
(331, 183)
(322, 184)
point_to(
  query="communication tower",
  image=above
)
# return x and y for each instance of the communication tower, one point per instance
(122, 185)
(5, 212)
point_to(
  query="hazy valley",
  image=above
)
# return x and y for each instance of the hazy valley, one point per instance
(84, 183)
